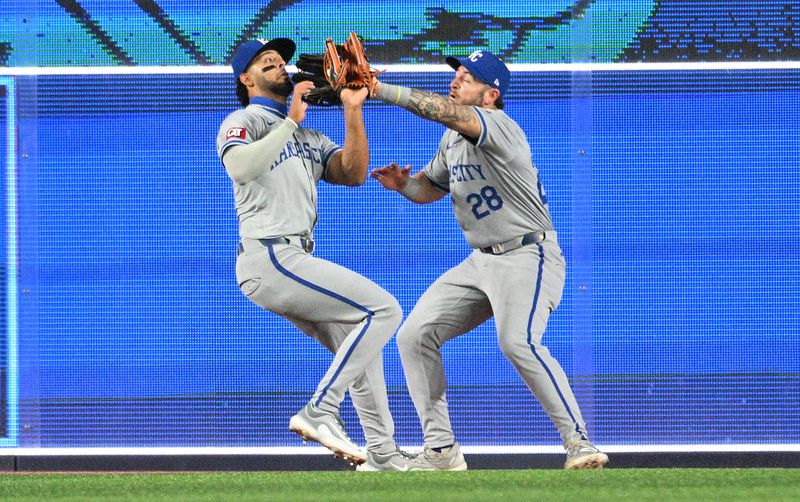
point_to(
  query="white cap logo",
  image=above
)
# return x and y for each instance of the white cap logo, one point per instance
(475, 56)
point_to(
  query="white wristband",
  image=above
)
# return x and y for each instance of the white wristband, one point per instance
(393, 94)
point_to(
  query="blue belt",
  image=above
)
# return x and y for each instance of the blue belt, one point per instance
(305, 243)
(505, 247)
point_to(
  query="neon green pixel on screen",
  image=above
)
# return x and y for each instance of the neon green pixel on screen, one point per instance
(189, 32)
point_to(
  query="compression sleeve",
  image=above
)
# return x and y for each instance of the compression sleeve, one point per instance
(246, 162)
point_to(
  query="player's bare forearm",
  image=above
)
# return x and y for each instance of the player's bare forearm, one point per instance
(417, 188)
(350, 168)
(426, 192)
(431, 106)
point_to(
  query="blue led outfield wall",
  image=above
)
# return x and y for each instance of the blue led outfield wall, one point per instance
(675, 193)
(679, 223)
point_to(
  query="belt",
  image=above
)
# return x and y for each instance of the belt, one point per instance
(505, 247)
(303, 243)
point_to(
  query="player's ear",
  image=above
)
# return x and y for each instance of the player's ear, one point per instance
(491, 96)
(246, 79)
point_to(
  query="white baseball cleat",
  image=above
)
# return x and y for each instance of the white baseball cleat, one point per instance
(584, 455)
(327, 429)
(448, 459)
(397, 460)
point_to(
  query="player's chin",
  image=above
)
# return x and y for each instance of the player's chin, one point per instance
(282, 87)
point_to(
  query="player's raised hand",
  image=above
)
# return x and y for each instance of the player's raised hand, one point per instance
(353, 97)
(297, 108)
(392, 176)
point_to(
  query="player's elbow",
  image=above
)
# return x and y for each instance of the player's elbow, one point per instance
(357, 182)
(353, 178)
(238, 168)
(240, 177)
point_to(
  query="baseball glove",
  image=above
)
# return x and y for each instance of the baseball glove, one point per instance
(311, 67)
(347, 65)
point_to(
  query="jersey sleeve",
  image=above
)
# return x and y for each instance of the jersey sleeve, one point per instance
(499, 133)
(238, 128)
(327, 149)
(436, 170)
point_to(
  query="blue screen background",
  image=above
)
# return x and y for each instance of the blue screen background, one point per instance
(675, 193)
(676, 203)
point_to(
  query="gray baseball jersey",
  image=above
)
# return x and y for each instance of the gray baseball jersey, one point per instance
(515, 274)
(347, 313)
(493, 183)
(283, 200)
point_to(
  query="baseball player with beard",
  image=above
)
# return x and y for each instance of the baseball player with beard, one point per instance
(515, 272)
(275, 165)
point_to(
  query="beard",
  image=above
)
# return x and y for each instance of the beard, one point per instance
(282, 88)
(476, 101)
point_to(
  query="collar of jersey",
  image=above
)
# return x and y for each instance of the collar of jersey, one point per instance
(269, 103)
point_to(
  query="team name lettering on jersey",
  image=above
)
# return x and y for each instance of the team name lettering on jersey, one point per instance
(297, 149)
(466, 172)
(236, 132)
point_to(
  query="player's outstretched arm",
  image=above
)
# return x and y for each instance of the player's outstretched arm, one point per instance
(349, 167)
(417, 188)
(431, 106)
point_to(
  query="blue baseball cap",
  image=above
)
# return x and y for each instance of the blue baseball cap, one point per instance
(486, 67)
(249, 50)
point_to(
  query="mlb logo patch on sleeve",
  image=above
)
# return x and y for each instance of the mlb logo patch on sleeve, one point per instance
(236, 132)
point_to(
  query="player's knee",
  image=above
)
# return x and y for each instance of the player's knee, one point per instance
(512, 348)
(394, 313)
(410, 337)
(408, 340)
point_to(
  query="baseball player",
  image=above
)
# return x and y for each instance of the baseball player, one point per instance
(275, 165)
(516, 269)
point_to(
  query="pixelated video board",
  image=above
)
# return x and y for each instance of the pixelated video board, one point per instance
(205, 32)
(157, 346)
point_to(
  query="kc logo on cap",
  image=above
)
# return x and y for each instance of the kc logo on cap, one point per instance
(485, 66)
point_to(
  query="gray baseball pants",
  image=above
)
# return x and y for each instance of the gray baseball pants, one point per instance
(347, 313)
(519, 288)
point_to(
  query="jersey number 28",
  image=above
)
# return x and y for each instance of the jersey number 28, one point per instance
(488, 195)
